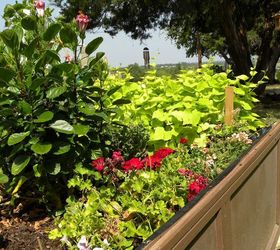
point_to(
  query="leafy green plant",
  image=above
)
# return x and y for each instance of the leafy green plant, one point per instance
(51, 110)
(188, 106)
(126, 210)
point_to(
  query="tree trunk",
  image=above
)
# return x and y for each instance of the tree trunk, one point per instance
(235, 32)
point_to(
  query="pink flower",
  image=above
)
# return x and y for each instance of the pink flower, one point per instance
(163, 152)
(186, 172)
(196, 187)
(82, 21)
(98, 164)
(68, 58)
(183, 140)
(117, 157)
(132, 164)
(40, 7)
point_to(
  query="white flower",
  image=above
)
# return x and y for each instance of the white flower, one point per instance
(98, 248)
(105, 241)
(83, 244)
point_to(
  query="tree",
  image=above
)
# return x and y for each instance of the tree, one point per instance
(236, 30)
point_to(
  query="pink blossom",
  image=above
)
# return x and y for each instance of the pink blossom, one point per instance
(117, 157)
(196, 187)
(82, 21)
(132, 164)
(40, 7)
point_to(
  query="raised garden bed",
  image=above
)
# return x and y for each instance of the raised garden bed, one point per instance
(240, 210)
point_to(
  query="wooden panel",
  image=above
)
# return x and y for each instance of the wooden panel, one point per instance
(241, 212)
(206, 239)
(253, 207)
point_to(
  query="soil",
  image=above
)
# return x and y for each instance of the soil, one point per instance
(26, 231)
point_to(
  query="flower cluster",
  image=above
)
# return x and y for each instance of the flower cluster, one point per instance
(154, 161)
(241, 137)
(196, 187)
(107, 165)
(197, 182)
(183, 140)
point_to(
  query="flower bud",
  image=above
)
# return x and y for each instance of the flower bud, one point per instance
(82, 21)
(40, 7)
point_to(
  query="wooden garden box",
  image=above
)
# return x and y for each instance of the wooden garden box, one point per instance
(239, 211)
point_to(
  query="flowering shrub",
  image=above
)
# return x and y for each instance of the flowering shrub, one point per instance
(144, 193)
(52, 112)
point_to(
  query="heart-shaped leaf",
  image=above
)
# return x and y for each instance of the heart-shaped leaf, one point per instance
(29, 23)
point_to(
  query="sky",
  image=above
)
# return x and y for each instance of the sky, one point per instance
(121, 50)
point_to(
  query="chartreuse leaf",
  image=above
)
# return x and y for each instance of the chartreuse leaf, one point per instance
(56, 92)
(93, 45)
(44, 117)
(41, 148)
(29, 23)
(62, 126)
(17, 137)
(51, 32)
(19, 164)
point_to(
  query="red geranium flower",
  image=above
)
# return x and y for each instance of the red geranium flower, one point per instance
(183, 140)
(163, 152)
(82, 21)
(196, 187)
(152, 161)
(98, 164)
(132, 164)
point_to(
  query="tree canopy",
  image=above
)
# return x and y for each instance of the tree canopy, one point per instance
(235, 30)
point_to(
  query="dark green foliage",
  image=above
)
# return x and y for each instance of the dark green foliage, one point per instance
(51, 112)
(130, 140)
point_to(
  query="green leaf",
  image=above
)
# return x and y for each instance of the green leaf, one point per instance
(93, 45)
(17, 137)
(62, 126)
(56, 92)
(81, 130)
(21, 181)
(97, 57)
(25, 107)
(6, 74)
(3, 178)
(37, 170)
(20, 164)
(67, 35)
(29, 23)
(29, 50)
(62, 148)
(41, 148)
(51, 32)
(113, 90)
(47, 58)
(53, 168)
(121, 102)
(44, 117)
(10, 38)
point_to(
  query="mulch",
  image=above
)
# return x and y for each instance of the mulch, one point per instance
(26, 231)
